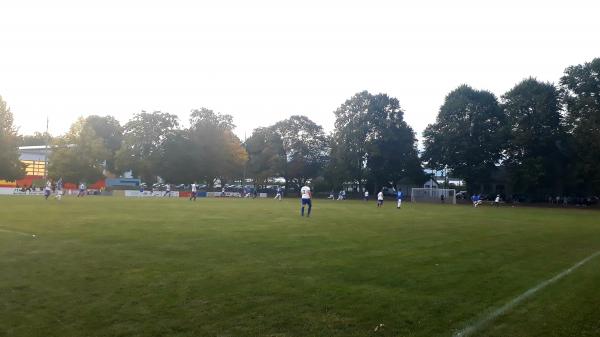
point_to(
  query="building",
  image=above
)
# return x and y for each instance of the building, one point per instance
(36, 160)
(431, 183)
(35, 157)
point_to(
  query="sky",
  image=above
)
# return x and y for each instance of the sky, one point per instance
(263, 61)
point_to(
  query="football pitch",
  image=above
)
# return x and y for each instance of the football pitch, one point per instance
(102, 266)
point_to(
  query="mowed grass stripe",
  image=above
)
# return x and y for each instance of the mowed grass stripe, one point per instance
(483, 321)
(9, 231)
(567, 308)
(170, 267)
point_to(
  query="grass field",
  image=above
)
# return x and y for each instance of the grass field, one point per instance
(147, 267)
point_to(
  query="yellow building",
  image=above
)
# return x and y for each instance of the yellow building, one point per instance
(35, 157)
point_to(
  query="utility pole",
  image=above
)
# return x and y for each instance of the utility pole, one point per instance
(245, 163)
(46, 151)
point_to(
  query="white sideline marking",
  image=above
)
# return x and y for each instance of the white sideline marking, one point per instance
(485, 320)
(15, 232)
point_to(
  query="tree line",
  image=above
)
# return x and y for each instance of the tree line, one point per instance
(537, 139)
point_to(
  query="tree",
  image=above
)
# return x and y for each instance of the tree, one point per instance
(37, 139)
(177, 163)
(143, 139)
(216, 151)
(581, 93)
(374, 144)
(351, 131)
(468, 136)
(392, 155)
(305, 149)
(203, 117)
(78, 156)
(111, 133)
(336, 170)
(11, 168)
(266, 157)
(536, 150)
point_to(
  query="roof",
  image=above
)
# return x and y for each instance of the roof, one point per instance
(43, 147)
(36, 147)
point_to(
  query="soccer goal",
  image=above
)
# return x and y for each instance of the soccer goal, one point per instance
(433, 195)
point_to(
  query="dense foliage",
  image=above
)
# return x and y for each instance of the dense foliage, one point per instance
(10, 166)
(538, 139)
(468, 135)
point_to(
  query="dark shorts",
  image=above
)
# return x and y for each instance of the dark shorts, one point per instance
(306, 202)
(193, 194)
(46, 192)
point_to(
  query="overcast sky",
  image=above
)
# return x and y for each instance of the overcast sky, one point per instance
(262, 61)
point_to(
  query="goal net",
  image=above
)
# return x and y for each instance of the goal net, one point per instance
(437, 195)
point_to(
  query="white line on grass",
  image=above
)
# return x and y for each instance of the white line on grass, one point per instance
(15, 232)
(508, 306)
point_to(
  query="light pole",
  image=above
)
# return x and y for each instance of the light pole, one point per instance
(46, 151)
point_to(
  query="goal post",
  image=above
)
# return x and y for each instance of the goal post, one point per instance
(433, 195)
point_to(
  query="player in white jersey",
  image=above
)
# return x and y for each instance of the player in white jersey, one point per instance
(278, 196)
(380, 199)
(194, 191)
(167, 191)
(59, 189)
(497, 201)
(306, 200)
(366, 195)
(47, 189)
(81, 190)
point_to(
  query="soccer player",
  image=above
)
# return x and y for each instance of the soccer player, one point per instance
(81, 190)
(278, 196)
(380, 199)
(366, 195)
(331, 196)
(497, 201)
(59, 189)
(306, 200)
(399, 196)
(194, 191)
(47, 189)
(168, 190)
(476, 200)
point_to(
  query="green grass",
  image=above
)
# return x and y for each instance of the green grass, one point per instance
(120, 267)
